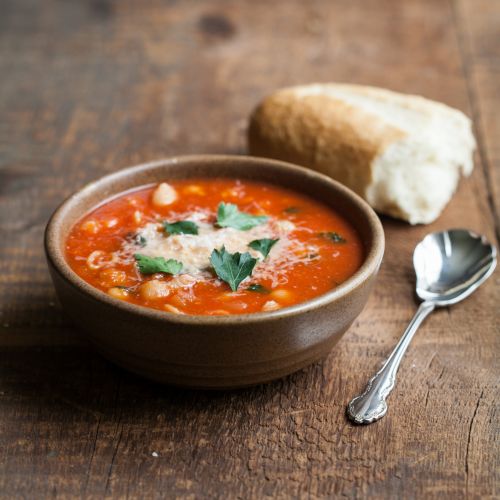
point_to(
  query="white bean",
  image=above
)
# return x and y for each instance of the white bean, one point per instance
(154, 289)
(118, 293)
(270, 305)
(164, 195)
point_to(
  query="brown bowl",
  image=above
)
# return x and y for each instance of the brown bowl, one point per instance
(214, 351)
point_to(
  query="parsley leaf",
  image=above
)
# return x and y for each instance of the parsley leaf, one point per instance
(335, 237)
(181, 227)
(232, 268)
(228, 215)
(292, 210)
(263, 246)
(151, 265)
(257, 287)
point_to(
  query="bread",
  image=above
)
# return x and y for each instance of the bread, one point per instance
(404, 154)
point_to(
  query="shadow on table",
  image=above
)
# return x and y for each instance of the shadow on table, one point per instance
(65, 383)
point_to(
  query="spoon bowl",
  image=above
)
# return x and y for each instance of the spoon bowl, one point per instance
(451, 264)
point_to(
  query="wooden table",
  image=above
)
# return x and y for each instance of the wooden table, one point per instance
(89, 87)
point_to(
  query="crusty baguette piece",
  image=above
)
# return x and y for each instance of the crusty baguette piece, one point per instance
(403, 153)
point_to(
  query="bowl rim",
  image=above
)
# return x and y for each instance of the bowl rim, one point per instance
(57, 260)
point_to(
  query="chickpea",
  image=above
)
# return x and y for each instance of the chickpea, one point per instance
(154, 289)
(118, 293)
(281, 295)
(164, 195)
(90, 226)
(271, 305)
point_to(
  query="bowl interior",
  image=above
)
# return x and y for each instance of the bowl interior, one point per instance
(305, 181)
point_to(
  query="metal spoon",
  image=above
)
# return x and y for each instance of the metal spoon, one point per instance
(449, 266)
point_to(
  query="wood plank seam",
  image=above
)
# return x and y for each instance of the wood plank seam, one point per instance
(484, 161)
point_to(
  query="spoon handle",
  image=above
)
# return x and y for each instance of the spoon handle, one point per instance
(371, 405)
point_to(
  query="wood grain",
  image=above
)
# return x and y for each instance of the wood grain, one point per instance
(89, 87)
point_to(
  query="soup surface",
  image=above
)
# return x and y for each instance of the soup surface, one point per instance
(214, 246)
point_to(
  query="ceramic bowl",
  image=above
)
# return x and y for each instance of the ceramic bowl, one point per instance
(214, 351)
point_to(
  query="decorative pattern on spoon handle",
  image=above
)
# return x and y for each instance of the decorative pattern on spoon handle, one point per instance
(371, 405)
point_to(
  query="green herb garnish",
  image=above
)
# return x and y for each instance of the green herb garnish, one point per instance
(228, 215)
(151, 265)
(140, 240)
(263, 246)
(256, 287)
(335, 237)
(181, 227)
(232, 268)
(292, 210)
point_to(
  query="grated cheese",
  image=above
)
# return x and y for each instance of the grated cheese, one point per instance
(194, 250)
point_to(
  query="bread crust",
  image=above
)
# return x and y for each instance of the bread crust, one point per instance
(322, 133)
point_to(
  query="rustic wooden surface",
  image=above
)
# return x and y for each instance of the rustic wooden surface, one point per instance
(92, 86)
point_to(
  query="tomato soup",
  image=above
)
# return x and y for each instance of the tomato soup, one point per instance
(214, 247)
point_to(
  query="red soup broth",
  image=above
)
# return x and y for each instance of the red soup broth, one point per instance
(316, 248)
